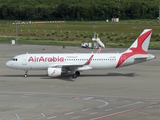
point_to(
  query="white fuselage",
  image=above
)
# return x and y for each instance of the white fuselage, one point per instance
(43, 61)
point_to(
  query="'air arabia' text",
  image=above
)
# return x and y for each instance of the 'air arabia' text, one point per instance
(46, 59)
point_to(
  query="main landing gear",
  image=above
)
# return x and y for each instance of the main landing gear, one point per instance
(25, 75)
(76, 74)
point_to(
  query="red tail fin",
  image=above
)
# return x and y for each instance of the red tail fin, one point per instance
(140, 46)
(142, 42)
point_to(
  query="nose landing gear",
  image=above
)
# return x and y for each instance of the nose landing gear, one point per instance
(25, 75)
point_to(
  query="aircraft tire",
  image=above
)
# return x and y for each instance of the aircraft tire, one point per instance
(74, 76)
(77, 73)
(25, 75)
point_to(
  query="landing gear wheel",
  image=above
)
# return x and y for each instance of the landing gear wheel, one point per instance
(77, 73)
(74, 76)
(25, 75)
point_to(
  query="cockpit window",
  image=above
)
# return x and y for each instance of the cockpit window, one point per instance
(14, 59)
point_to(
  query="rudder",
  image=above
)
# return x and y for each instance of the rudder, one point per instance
(142, 42)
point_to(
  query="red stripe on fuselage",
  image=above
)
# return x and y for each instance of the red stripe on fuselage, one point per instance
(137, 50)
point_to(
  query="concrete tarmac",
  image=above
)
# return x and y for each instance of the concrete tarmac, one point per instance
(129, 93)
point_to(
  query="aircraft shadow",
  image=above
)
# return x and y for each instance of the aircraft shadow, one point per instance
(69, 78)
(23, 76)
(109, 75)
(63, 77)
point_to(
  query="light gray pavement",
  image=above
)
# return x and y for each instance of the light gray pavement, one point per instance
(130, 93)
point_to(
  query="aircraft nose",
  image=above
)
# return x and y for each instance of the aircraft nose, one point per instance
(8, 64)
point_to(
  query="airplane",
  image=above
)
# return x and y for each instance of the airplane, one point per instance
(57, 64)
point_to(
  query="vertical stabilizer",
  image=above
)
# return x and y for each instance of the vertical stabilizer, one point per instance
(140, 46)
(141, 43)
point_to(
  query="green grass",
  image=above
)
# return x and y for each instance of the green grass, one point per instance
(120, 34)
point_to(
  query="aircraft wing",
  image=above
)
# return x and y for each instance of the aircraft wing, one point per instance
(71, 66)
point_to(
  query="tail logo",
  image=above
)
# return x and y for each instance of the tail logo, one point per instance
(135, 50)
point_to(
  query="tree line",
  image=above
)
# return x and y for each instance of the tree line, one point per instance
(78, 9)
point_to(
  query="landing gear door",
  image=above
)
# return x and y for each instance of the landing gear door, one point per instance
(24, 60)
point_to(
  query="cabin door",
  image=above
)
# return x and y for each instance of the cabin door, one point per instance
(24, 60)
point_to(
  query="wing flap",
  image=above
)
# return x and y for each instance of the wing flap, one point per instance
(66, 65)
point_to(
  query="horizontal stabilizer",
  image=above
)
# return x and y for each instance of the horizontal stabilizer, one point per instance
(147, 57)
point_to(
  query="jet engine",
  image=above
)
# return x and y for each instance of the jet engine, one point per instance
(54, 72)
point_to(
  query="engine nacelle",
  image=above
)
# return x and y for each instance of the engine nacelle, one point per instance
(54, 72)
